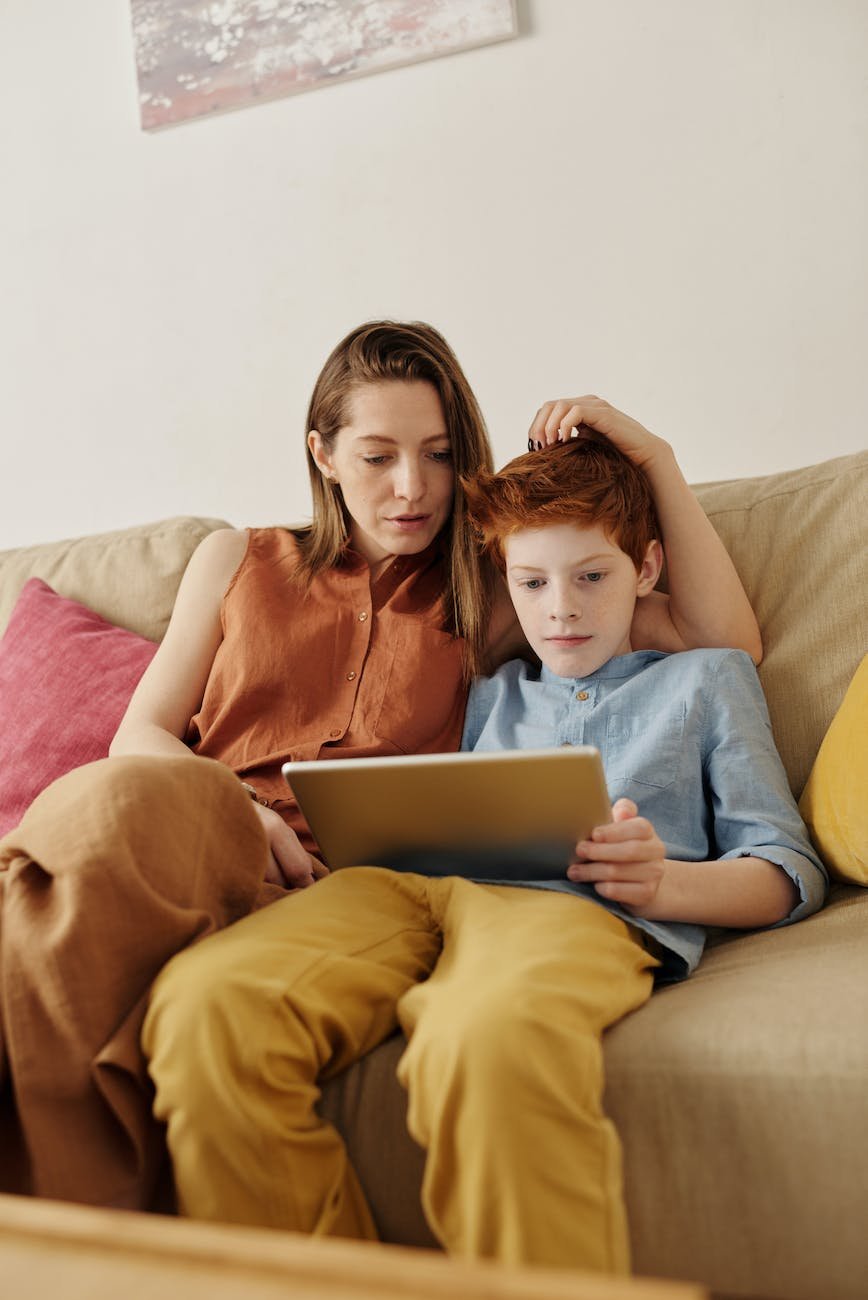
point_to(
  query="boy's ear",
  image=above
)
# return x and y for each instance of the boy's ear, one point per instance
(650, 569)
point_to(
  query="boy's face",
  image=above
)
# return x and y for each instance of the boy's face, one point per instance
(574, 591)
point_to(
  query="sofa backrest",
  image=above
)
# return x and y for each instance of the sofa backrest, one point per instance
(130, 577)
(799, 541)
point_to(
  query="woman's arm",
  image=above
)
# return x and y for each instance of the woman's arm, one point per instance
(171, 690)
(173, 684)
(706, 605)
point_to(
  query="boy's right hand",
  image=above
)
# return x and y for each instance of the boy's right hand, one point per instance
(290, 863)
(624, 860)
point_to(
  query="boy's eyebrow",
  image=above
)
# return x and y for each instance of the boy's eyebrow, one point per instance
(535, 568)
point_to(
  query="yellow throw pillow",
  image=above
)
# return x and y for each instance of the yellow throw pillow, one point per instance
(834, 802)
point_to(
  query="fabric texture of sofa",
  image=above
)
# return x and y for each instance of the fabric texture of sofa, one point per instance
(741, 1095)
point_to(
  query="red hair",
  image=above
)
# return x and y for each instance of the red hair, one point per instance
(584, 481)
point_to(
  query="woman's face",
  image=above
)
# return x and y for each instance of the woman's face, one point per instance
(393, 461)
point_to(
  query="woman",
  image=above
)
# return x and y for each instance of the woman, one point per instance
(355, 636)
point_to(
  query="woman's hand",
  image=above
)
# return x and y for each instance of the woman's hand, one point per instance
(623, 860)
(291, 865)
(555, 422)
(707, 605)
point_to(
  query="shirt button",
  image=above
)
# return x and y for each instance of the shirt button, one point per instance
(351, 676)
(581, 695)
(334, 734)
(363, 616)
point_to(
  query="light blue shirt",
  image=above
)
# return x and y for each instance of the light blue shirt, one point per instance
(687, 737)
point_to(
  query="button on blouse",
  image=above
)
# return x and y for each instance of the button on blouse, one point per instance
(343, 668)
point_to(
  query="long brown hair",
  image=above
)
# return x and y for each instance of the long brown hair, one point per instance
(382, 351)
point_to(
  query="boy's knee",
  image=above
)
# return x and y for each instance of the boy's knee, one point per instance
(482, 1036)
(500, 1046)
(197, 1019)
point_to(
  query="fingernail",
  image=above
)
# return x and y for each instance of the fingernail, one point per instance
(530, 444)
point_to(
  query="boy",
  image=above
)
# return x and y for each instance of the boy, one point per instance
(503, 992)
(687, 736)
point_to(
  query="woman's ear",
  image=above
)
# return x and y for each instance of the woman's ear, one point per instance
(318, 449)
(650, 570)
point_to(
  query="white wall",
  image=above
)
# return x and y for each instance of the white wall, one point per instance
(665, 203)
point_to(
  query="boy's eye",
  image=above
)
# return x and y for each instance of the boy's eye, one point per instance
(533, 584)
(593, 577)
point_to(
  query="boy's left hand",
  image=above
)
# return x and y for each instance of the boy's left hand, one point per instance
(623, 860)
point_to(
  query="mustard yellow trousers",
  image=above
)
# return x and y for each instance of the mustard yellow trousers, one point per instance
(503, 994)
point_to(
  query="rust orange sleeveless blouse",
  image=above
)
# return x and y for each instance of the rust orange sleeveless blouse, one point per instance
(343, 669)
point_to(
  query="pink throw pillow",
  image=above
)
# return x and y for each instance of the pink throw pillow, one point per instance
(66, 677)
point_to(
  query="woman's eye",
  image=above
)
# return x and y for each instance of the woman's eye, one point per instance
(442, 457)
(375, 460)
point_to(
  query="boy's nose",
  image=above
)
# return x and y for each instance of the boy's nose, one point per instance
(564, 613)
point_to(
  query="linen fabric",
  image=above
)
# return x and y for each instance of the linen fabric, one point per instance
(346, 668)
(66, 677)
(113, 868)
(503, 1069)
(685, 736)
(834, 802)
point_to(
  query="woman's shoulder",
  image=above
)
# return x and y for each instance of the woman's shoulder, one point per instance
(236, 548)
(218, 556)
(223, 542)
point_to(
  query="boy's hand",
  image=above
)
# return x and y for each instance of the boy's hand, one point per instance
(555, 421)
(623, 860)
(290, 863)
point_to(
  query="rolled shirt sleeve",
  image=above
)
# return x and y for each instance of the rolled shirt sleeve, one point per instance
(753, 810)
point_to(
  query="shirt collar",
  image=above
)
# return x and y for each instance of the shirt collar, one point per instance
(620, 666)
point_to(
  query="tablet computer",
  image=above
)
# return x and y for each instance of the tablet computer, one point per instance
(515, 814)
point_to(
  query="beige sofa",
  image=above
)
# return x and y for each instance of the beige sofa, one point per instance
(741, 1095)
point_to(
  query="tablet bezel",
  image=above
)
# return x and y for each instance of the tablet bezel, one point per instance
(512, 814)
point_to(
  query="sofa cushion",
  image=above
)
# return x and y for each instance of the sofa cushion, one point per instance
(130, 576)
(66, 676)
(740, 1098)
(799, 541)
(834, 803)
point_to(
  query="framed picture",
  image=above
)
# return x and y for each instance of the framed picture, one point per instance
(199, 58)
